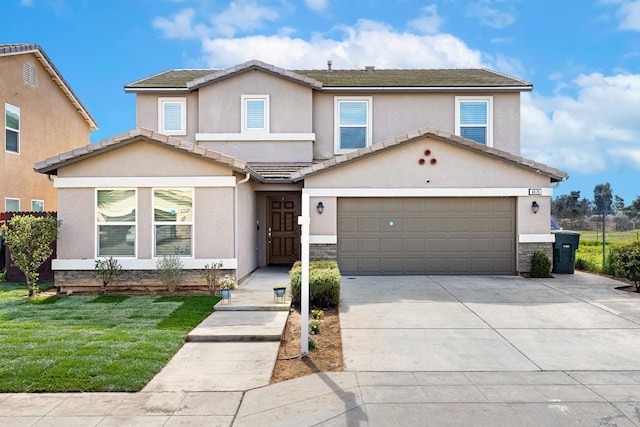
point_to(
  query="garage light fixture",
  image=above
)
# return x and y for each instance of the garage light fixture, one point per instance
(320, 207)
(534, 207)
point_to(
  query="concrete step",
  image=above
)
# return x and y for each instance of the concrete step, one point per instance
(231, 326)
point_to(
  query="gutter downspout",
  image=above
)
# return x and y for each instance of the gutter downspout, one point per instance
(235, 220)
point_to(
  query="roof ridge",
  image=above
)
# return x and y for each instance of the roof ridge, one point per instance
(507, 76)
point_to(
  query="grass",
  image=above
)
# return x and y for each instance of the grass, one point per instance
(90, 343)
(590, 247)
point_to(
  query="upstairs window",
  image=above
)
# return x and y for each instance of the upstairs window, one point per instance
(172, 116)
(255, 113)
(352, 123)
(116, 222)
(12, 205)
(12, 128)
(474, 118)
(29, 74)
(173, 221)
(37, 205)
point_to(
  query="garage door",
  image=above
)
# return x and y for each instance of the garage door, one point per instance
(426, 235)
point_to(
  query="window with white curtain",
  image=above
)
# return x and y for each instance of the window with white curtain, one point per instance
(255, 113)
(172, 116)
(474, 117)
(352, 123)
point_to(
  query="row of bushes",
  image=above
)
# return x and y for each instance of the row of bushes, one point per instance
(324, 284)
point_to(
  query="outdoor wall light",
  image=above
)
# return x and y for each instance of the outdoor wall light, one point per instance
(320, 207)
(534, 207)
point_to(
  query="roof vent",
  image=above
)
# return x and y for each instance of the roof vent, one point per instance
(329, 63)
(370, 68)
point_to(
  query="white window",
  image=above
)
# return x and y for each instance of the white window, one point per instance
(173, 221)
(29, 74)
(255, 113)
(352, 123)
(116, 222)
(37, 205)
(12, 128)
(474, 116)
(172, 116)
(12, 205)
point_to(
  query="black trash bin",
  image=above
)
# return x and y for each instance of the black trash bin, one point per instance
(564, 251)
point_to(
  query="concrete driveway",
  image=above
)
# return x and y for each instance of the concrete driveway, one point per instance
(495, 323)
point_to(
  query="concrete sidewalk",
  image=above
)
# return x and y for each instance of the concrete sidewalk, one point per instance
(419, 350)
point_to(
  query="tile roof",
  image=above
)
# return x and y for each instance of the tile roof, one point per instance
(434, 79)
(280, 172)
(554, 174)
(23, 48)
(51, 165)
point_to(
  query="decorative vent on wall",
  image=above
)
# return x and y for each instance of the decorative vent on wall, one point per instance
(29, 74)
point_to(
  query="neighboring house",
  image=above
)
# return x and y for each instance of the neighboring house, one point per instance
(42, 117)
(400, 172)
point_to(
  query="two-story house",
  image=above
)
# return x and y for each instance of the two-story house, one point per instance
(399, 172)
(42, 117)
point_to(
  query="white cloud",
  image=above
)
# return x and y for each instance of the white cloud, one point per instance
(595, 130)
(629, 13)
(179, 27)
(429, 22)
(317, 5)
(242, 15)
(490, 15)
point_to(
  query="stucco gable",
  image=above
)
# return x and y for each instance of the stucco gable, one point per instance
(51, 165)
(23, 49)
(554, 175)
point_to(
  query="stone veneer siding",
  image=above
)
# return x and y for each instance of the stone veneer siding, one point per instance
(525, 250)
(130, 281)
(323, 251)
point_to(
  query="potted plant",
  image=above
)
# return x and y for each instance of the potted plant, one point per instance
(279, 291)
(226, 284)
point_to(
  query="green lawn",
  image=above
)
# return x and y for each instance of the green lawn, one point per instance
(90, 343)
(590, 248)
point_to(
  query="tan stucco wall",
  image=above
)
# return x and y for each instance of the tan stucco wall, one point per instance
(396, 114)
(50, 124)
(290, 103)
(264, 151)
(213, 223)
(142, 158)
(77, 236)
(247, 229)
(147, 112)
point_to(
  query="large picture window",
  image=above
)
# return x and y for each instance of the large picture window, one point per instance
(173, 221)
(353, 123)
(12, 128)
(116, 222)
(255, 113)
(172, 116)
(473, 119)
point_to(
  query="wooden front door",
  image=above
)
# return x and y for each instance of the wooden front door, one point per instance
(283, 234)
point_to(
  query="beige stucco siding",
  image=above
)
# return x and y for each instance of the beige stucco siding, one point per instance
(397, 114)
(455, 168)
(290, 103)
(147, 110)
(142, 158)
(49, 125)
(77, 236)
(247, 229)
(213, 223)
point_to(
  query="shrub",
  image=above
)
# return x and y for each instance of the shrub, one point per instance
(540, 265)
(625, 262)
(170, 271)
(211, 275)
(585, 265)
(107, 269)
(314, 327)
(317, 314)
(324, 284)
(3, 276)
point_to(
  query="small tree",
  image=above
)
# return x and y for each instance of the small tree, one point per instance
(540, 265)
(107, 269)
(29, 239)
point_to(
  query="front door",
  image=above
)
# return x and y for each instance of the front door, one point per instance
(283, 234)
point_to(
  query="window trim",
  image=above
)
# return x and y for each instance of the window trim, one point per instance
(7, 128)
(244, 116)
(97, 224)
(6, 199)
(183, 115)
(37, 200)
(336, 120)
(154, 223)
(489, 100)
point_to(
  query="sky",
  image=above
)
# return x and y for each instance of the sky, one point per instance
(582, 56)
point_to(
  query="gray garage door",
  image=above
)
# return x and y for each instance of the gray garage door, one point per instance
(426, 235)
